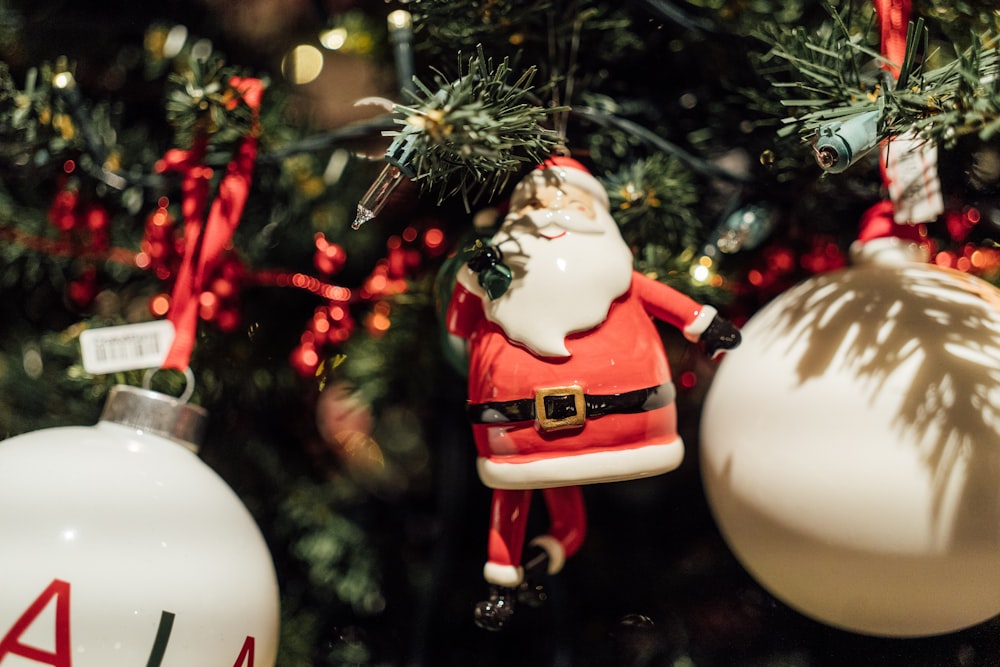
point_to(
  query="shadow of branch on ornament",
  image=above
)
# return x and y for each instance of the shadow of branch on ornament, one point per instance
(924, 337)
(862, 413)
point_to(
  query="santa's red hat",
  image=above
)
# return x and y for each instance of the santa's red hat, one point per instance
(568, 170)
(883, 239)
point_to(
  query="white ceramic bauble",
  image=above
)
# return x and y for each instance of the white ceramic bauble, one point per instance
(139, 552)
(851, 449)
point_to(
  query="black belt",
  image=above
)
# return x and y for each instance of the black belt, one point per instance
(566, 407)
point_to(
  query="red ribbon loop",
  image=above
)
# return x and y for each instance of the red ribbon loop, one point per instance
(204, 244)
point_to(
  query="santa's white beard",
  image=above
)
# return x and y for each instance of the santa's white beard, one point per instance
(560, 285)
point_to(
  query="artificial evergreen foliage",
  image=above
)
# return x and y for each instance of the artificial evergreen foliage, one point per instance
(698, 118)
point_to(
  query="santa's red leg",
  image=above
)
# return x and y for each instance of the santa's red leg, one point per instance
(508, 521)
(567, 525)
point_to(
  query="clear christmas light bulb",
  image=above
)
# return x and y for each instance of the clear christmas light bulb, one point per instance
(396, 169)
(375, 198)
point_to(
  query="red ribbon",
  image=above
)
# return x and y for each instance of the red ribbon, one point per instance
(203, 244)
(894, 17)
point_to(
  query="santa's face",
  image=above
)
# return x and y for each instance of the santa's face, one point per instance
(568, 261)
(554, 207)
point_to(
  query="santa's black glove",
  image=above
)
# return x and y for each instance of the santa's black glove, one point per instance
(721, 334)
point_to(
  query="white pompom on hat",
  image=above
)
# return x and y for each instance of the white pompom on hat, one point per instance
(568, 170)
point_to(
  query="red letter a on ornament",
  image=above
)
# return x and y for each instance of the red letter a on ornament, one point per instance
(11, 644)
(245, 658)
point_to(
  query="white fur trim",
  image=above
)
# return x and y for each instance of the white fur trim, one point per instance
(606, 466)
(694, 330)
(503, 575)
(554, 548)
(888, 250)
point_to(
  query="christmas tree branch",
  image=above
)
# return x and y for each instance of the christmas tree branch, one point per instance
(49, 119)
(835, 79)
(653, 200)
(473, 133)
(695, 162)
(440, 24)
(675, 14)
(201, 100)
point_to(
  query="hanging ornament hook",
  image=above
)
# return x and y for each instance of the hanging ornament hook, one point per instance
(147, 383)
(562, 119)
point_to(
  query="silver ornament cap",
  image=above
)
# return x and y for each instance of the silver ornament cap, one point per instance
(156, 413)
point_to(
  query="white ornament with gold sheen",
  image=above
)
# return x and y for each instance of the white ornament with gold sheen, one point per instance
(851, 449)
(121, 548)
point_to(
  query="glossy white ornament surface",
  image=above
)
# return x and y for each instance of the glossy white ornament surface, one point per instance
(851, 449)
(137, 525)
(568, 264)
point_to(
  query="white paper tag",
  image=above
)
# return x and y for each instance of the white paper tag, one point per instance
(126, 348)
(914, 186)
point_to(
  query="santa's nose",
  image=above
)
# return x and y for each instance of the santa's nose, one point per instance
(534, 203)
(541, 200)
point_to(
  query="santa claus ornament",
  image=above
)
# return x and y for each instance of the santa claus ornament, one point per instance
(851, 448)
(120, 548)
(568, 378)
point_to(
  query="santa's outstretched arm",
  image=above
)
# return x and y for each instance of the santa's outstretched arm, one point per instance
(698, 322)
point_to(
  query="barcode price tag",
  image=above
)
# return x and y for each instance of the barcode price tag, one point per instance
(912, 176)
(126, 348)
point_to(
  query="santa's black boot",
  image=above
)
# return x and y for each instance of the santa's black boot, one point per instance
(531, 592)
(494, 612)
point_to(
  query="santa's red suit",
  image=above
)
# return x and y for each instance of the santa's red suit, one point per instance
(623, 354)
(578, 406)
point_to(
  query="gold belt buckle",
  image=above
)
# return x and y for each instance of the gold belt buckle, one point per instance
(549, 423)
